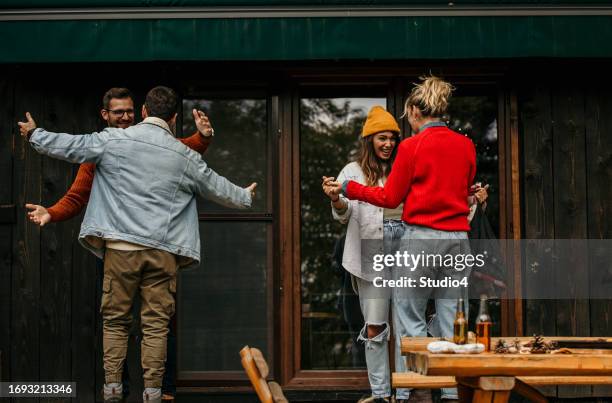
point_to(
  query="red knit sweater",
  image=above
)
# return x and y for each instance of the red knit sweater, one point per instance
(75, 200)
(431, 174)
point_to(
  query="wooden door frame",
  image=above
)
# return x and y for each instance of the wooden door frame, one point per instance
(291, 375)
(510, 209)
(237, 379)
(284, 91)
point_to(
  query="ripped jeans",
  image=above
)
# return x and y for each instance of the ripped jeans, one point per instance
(375, 303)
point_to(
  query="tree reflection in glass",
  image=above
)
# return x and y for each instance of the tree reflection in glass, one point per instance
(239, 150)
(329, 133)
(331, 317)
(224, 305)
(476, 116)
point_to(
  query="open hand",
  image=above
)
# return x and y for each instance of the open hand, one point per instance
(251, 188)
(202, 123)
(25, 127)
(38, 214)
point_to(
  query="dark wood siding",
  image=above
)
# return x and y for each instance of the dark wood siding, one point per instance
(566, 132)
(50, 328)
(7, 210)
(536, 130)
(598, 109)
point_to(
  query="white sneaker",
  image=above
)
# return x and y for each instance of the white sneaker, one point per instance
(113, 392)
(152, 395)
(372, 399)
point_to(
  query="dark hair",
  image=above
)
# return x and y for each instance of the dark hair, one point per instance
(118, 93)
(161, 102)
(373, 167)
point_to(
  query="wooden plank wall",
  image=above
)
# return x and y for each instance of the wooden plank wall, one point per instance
(536, 133)
(7, 223)
(50, 326)
(566, 133)
(25, 303)
(598, 111)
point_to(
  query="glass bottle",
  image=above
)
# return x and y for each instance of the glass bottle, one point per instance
(460, 324)
(484, 324)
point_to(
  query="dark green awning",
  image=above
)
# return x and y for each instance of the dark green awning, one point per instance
(305, 39)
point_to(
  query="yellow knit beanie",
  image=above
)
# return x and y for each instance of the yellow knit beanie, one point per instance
(379, 120)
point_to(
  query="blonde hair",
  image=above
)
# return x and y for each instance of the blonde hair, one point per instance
(430, 96)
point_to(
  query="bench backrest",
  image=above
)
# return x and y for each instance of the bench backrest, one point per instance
(257, 370)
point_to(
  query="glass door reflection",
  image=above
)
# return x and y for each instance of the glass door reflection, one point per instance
(331, 318)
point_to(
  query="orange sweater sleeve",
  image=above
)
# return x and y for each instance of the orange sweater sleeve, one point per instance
(197, 142)
(73, 202)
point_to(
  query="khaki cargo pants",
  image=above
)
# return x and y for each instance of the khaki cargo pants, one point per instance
(152, 273)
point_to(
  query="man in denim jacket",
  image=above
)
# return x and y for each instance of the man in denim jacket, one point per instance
(142, 219)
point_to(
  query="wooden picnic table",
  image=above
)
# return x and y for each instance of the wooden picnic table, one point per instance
(489, 377)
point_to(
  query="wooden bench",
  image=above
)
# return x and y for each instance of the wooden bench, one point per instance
(525, 386)
(257, 370)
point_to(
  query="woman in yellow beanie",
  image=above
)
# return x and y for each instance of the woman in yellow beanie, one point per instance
(382, 228)
(431, 178)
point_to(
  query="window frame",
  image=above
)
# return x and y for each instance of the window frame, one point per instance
(292, 375)
(283, 92)
(237, 378)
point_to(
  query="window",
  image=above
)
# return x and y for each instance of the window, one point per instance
(331, 317)
(475, 115)
(225, 304)
(329, 132)
(230, 300)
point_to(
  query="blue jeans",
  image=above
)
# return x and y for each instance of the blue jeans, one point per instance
(410, 304)
(374, 304)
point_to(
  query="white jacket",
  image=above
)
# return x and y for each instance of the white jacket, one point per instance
(365, 222)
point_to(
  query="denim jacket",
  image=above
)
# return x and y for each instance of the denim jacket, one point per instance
(145, 186)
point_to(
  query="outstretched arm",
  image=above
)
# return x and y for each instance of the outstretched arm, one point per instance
(72, 148)
(71, 204)
(395, 190)
(75, 200)
(212, 186)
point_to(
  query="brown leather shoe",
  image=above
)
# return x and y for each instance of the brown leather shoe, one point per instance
(167, 398)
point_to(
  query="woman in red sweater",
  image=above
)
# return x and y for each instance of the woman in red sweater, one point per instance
(431, 175)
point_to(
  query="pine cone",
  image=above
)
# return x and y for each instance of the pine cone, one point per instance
(501, 347)
(538, 346)
(552, 345)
